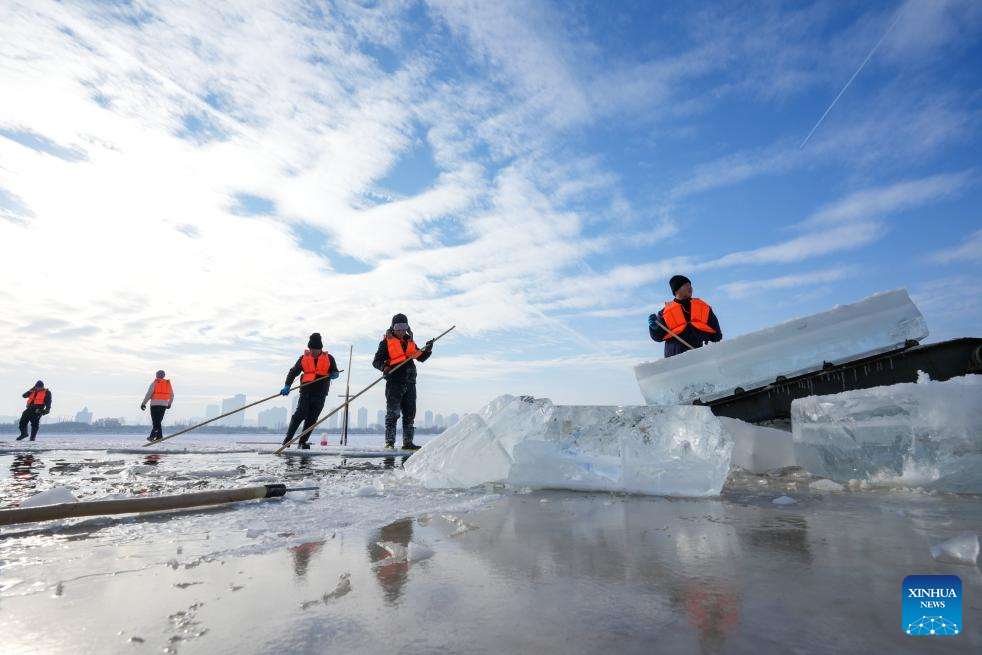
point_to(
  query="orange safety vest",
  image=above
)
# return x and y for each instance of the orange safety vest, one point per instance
(396, 353)
(37, 397)
(313, 370)
(161, 389)
(675, 321)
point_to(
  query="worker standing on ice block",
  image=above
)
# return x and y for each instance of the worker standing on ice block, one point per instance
(400, 387)
(38, 404)
(691, 320)
(160, 395)
(315, 364)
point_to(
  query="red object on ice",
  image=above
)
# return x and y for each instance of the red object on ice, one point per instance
(324, 441)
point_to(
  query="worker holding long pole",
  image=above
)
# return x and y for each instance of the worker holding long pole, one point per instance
(396, 347)
(685, 323)
(318, 366)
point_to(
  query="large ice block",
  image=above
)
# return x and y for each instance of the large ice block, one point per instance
(759, 449)
(529, 442)
(927, 434)
(880, 323)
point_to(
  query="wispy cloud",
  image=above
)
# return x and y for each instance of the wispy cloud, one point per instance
(743, 288)
(968, 251)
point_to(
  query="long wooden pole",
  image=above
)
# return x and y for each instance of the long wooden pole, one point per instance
(234, 411)
(684, 342)
(347, 395)
(136, 505)
(347, 402)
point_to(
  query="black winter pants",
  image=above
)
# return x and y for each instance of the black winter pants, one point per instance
(32, 416)
(157, 417)
(400, 399)
(308, 410)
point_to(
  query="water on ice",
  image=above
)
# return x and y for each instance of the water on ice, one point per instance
(529, 442)
(880, 323)
(927, 433)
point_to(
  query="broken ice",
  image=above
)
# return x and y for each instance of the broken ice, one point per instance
(880, 323)
(528, 442)
(928, 433)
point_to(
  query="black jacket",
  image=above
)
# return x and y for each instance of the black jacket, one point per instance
(407, 372)
(320, 388)
(47, 398)
(693, 336)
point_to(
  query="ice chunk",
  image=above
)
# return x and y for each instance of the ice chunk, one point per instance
(880, 323)
(417, 552)
(926, 433)
(826, 485)
(54, 496)
(529, 442)
(785, 500)
(963, 549)
(759, 449)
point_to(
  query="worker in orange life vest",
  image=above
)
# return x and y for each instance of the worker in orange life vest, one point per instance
(160, 395)
(38, 404)
(400, 386)
(690, 318)
(315, 364)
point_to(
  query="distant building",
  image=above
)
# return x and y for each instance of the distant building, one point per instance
(380, 418)
(237, 420)
(211, 411)
(428, 419)
(452, 420)
(107, 423)
(274, 418)
(84, 416)
(9, 419)
(438, 421)
(362, 418)
(332, 422)
(293, 405)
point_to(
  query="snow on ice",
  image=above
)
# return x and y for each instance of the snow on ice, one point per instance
(529, 442)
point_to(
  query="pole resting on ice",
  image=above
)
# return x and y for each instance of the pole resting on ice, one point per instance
(148, 504)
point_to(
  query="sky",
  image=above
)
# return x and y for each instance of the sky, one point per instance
(199, 186)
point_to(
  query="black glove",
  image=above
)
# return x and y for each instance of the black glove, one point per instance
(143, 407)
(428, 346)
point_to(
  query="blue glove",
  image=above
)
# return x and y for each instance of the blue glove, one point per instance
(335, 375)
(285, 391)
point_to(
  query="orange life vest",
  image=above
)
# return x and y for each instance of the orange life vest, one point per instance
(396, 353)
(313, 370)
(37, 397)
(161, 389)
(675, 321)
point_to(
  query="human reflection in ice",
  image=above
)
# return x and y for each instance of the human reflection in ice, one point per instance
(390, 462)
(302, 555)
(299, 463)
(151, 460)
(388, 553)
(24, 471)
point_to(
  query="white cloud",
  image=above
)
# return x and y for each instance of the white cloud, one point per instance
(743, 288)
(968, 251)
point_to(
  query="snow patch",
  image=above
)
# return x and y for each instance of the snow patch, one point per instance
(54, 496)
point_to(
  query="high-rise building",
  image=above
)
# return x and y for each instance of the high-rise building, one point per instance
(211, 411)
(362, 418)
(274, 418)
(428, 419)
(438, 421)
(380, 418)
(236, 420)
(452, 420)
(332, 421)
(84, 416)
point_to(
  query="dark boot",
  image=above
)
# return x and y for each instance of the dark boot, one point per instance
(23, 436)
(407, 438)
(390, 435)
(304, 445)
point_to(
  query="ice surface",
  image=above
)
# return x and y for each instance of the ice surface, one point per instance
(759, 449)
(963, 549)
(785, 500)
(877, 324)
(529, 442)
(826, 485)
(54, 496)
(927, 434)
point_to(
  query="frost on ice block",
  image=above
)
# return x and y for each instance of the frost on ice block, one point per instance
(877, 324)
(928, 433)
(529, 442)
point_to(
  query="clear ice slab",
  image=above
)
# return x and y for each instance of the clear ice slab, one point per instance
(529, 442)
(923, 434)
(880, 323)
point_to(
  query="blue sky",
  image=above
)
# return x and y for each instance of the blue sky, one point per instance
(198, 188)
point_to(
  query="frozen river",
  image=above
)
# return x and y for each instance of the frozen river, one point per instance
(373, 564)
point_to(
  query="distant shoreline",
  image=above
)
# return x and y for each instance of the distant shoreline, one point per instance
(85, 428)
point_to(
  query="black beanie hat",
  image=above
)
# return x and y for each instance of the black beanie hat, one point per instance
(677, 281)
(39, 384)
(315, 343)
(400, 318)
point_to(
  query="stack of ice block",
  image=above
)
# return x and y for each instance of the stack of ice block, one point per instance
(880, 323)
